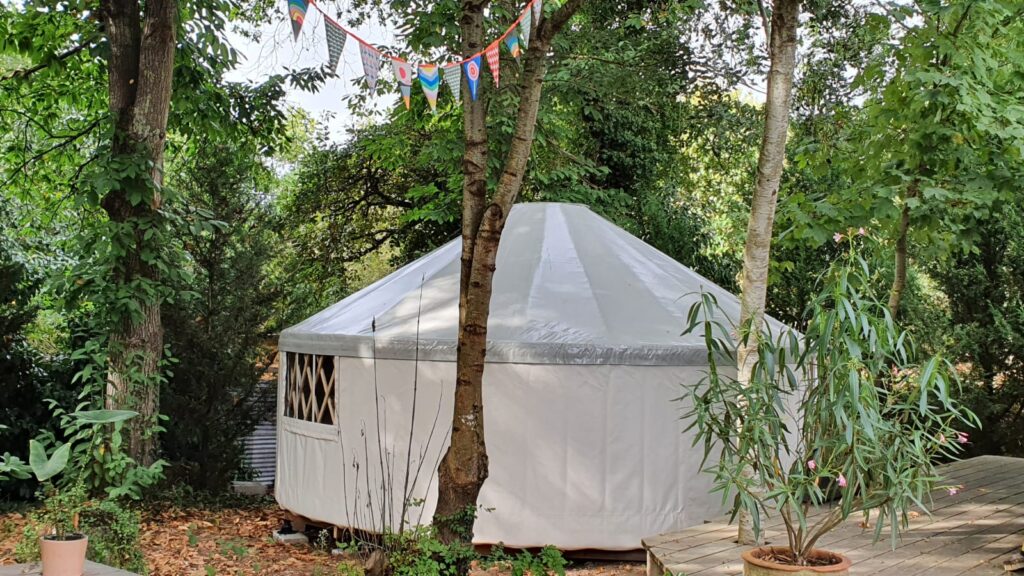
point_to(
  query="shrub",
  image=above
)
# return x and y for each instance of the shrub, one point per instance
(113, 531)
(846, 410)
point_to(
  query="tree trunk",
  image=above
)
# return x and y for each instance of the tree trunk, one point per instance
(756, 253)
(463, 469)
(141, 66)
(899, 277)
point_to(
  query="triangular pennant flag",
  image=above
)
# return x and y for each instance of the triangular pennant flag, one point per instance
(538, 9)
(297, 14)
(403, 73)
(493, 60)
(406, 94)
(335, 44)
(430, 80)
(512, 42)
(524, 27)
(371, 64)
(472, 67)
(453, 76)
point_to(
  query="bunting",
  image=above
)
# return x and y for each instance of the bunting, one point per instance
(371, 65)
(297, 14)
(516, 38)
(524, 27)
(403, 74)
(512, 42)
(493, 61)
(453, 77)
(430, 80)
(336, 38)
(473, 75)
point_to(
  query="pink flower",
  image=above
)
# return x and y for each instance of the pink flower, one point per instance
(841, 480)
(954, 490)
(861, 231)
(961, 437)
(838, 237)
(812, 464)
(942, 438)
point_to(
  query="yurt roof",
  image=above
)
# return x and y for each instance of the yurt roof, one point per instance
(570, 288)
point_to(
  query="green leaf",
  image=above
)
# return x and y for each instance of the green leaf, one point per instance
(45, 468)
(104, 416)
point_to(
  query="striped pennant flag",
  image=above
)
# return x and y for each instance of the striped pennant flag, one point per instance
(430, 80)
(512, 42)
(493, 60)
(524, 27)
(336, 38)
(453, 77)
(297, 14)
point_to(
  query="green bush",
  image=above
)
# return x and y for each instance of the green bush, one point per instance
(418, 552)
(113, 531)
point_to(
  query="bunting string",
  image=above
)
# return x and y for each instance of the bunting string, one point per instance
(515, 38)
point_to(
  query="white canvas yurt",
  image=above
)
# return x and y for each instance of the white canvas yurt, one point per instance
(584, 362)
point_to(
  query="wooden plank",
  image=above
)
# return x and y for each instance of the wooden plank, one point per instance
(91, 569)
(969, 533)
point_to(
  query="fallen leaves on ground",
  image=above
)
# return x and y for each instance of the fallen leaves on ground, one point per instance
(236, 542)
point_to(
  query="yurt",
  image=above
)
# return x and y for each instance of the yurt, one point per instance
(585, 362)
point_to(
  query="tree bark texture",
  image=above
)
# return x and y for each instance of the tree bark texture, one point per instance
(782, 45)
(464, 469)
(141, 65)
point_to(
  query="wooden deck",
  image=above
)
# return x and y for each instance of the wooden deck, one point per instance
(91, 569)
(968, 533)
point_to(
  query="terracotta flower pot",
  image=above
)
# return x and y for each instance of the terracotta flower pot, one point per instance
(63, 557)
(755, 564)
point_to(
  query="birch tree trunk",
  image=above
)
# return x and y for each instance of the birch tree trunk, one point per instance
(782, 43)
(463, 469)
(899, 277)
(141, 65)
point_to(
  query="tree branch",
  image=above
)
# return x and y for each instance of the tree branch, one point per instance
(765, 21)
(551, 25)
(23, 73)
(69, 139)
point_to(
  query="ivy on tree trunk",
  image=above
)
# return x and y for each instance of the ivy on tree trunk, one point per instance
(141, 65)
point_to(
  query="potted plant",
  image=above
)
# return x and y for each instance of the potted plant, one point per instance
(843, 419)
(62, 548)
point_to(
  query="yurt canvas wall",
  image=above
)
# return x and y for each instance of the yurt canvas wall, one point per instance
(585, 359)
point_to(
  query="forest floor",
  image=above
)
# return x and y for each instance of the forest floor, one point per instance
(198, 541)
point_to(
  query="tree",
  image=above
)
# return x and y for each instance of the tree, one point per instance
(85, 98)
(217, 392)
(463, 468)
(782, 41)
(141, 64)
(935, 145)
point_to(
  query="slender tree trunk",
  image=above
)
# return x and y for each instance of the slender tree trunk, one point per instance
(899, 277)
(141, 66)
(463, 469)
(756, 253)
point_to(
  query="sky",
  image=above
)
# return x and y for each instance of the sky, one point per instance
(277, 51)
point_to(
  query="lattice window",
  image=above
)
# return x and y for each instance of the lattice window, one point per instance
(309, 388)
